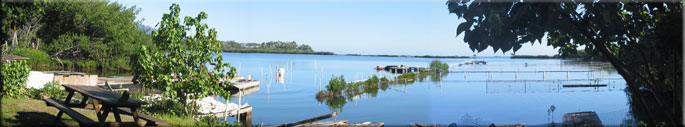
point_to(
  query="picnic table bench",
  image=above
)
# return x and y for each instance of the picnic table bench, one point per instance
(104, 101)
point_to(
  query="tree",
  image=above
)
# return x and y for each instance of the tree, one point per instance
(107, 32)
(232, 45)
(642, 40)
(20, 22)
(179, 68)
(305, 48)
(438, 65)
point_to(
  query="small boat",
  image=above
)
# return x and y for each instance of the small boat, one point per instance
(243, 84)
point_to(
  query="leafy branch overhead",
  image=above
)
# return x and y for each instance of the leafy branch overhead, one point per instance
(179, 67)
(642, 40)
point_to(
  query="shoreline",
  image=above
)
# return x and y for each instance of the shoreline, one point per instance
(333, 54)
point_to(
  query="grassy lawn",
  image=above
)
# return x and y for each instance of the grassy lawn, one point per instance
(33, 112)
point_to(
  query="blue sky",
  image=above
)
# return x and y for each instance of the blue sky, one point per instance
(398, 27)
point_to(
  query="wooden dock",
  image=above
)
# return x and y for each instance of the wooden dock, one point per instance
(399, 68)
(243, 110)
(244, 84)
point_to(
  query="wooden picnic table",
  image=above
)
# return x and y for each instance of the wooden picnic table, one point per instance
(103, 102)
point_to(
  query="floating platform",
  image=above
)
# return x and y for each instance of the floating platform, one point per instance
(243, 110)
(246, 92)
(244, 84)
(399, 68)
(584, 85)
(236, 78)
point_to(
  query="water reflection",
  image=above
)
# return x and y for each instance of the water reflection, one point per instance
(370, 88)
(435, 98)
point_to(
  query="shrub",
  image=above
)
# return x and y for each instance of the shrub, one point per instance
(409, 75)
(35, 56)
(372, 80)
(165, 106)
(336, 84)
(439, 66)
(87, 63)
(14, 76)
(67, 63)
(384, 79)
(50, 89)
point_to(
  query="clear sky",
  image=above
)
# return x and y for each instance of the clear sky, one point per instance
(395, 27)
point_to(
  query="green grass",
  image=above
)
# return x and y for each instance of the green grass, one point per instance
(34, 112)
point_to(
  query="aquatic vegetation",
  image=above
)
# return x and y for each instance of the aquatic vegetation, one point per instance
(438, 65)
(336, 84)
(338, 91)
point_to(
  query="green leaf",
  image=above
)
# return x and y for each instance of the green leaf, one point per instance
(464, 27)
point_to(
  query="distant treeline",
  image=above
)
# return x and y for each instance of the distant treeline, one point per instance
(580, 54)
(536, 56)
(270, 47)
(424, 56)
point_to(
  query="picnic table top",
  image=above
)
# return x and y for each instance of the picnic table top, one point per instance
(107, 97)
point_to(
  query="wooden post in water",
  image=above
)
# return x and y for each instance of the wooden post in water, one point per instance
(588, 75)
(464, 75)
(543, 75)
(261, 73)
(315, 72)
(226, 110)
(239, 66)
(320, 80)
(517, 75)
(240, 96)
(491, 77)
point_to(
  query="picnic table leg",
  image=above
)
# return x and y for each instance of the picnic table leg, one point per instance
(84, 100)
(116, 114)
(59, 114)
(96, 107)
(134, 113)
(103, 117)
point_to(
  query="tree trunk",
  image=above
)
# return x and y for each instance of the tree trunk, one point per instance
(14, 38)
(37, 42)
(617, 64)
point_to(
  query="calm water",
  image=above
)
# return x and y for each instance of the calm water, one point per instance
(453, 99)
